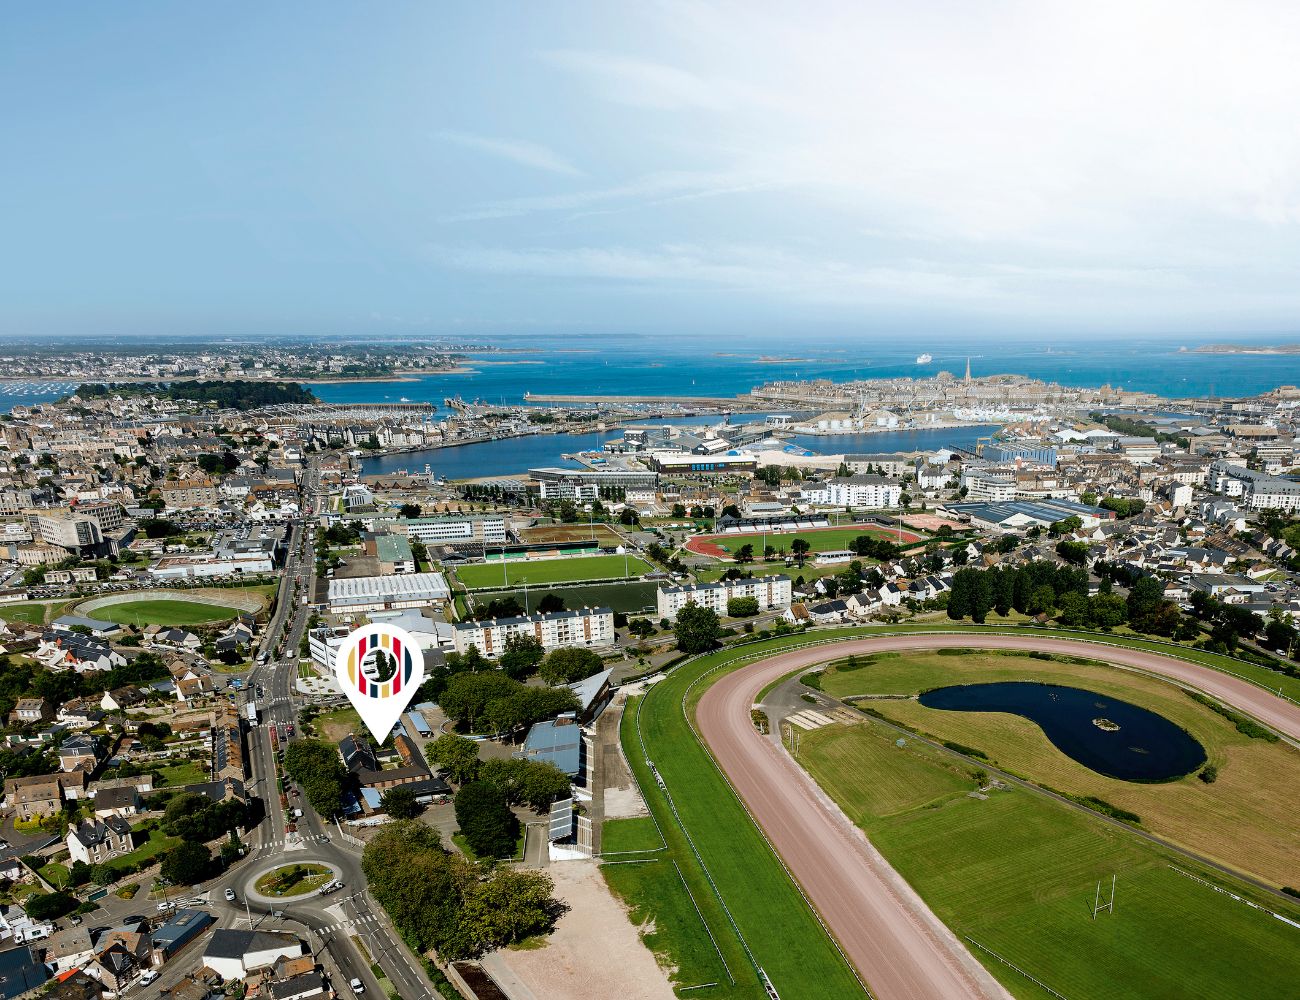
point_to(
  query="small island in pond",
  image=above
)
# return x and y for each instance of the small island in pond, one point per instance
(1106, 725)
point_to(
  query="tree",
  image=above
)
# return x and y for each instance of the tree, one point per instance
(549, 604)
(521, 656)
(1065, 526)
(316, 766)
(488, 825)
(456, 755)
(399, 803)
(745, 553)
(799, 548)
(1107, 610)
(440, 901)
(1042, 600)
(698, 629)
(49, 906)
(409, 510)
(1074, 610)
(186, 864)
(742, 607)
(1073, 552)
(569, 664)
(508, 907)
(468, 694)
(534, 783)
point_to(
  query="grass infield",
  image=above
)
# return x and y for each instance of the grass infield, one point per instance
(539, 572)
(165, 612)
(1017, 873)
(1242, 820)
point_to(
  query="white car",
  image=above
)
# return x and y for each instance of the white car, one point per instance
(358, 987)
(230, 895)
(148, 976)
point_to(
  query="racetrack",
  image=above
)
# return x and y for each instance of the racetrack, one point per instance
(893, 939)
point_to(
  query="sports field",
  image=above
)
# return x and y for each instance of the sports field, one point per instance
(165, 612)
(1016, 872)
(1244, 819)
(820, 540)
(602, 533)
(542, 571)
(625, 597)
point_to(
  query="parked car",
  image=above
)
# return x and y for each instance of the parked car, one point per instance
(148, 976)
(358, 987)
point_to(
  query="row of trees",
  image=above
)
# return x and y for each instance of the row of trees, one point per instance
(440, 901)
(489, 701)
(315, 765)
(1045, 588)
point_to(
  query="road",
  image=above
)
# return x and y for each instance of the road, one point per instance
(897, 944)
(335, 923)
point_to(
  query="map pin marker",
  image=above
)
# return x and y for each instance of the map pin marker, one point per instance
(380, 667)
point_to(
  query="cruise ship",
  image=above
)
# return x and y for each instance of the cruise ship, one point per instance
(924, 359)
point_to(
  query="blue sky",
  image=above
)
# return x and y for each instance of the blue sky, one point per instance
(673, 168)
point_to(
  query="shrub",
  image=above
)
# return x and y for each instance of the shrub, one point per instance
(1209, 774)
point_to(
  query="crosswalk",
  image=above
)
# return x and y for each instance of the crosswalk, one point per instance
(295, 841)
(369, 920)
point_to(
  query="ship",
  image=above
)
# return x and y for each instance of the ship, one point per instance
(924, 359)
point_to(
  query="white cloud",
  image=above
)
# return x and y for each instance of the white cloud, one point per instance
(642, 83)
(527, 154)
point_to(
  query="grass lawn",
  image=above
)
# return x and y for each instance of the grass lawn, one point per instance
(622, 836)
(165, 612)
(625, 597)
(539, 572)
(293, 880)
(820, 539)
(659, 904)
(149, 844)
(1017, 873)
(30, 612)
(188, 773)
(333, 726)
(56, 874)
(1243, 820)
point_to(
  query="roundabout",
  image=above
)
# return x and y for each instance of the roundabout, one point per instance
(697, 723)
(291, 882)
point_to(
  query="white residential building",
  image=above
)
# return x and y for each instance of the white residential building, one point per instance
(586, 627)
(864, 491)
(772, 592)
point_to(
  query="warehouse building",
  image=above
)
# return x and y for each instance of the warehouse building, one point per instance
(361, 594)
(771, 592)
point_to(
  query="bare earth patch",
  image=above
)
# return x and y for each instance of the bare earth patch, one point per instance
(595, 953)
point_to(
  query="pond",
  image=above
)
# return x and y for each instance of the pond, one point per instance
(1105, 734)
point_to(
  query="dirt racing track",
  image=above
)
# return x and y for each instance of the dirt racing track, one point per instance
(896, 943)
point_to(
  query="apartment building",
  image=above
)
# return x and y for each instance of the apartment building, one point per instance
(586, 627)
(189, 493)
(772, 592)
